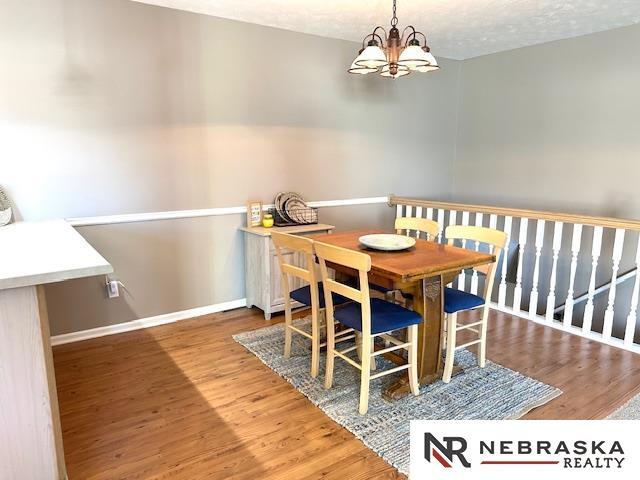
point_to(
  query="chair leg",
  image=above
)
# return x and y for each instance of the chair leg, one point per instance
(323, 324)
(365, 374)
(443, 337)
(315, 342)
(451, 347)
(482, 355)
(331, 345)
(412, 333)
(287, 330)
(373, 359)
(358, 341)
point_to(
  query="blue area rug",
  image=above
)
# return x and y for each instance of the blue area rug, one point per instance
(490, 393)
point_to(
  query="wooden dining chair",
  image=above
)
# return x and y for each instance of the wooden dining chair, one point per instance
(406, 225)
(370, 317)
(311, 295)
(457, 301)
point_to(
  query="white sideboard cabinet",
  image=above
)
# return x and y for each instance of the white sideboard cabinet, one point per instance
(263, 284)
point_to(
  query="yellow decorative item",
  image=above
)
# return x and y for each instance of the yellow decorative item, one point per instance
(267, 221)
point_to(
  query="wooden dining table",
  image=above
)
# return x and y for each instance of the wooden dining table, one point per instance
(422, 271)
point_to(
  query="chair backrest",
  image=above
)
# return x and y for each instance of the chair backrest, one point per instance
(490, 236)
(429, 227)
(303, 246)
(361, 263)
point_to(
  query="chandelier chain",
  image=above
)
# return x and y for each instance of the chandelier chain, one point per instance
(394, 19)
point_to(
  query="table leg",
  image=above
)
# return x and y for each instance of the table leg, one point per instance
(428, 301)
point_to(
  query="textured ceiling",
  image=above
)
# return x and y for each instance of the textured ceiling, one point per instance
(456, 29)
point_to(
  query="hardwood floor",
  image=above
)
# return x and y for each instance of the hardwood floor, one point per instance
(184, 401)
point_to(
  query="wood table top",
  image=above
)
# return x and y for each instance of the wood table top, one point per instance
(425, 259)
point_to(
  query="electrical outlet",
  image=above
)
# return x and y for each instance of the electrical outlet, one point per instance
(113, 289)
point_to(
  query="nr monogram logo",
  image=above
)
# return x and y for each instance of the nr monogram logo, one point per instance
(445, 453)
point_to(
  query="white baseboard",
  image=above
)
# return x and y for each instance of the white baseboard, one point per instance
(147, 322)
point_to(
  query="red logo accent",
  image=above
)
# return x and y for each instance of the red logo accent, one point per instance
(440, 458)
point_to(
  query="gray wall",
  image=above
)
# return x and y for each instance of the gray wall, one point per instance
(553, 126)
(110, 107)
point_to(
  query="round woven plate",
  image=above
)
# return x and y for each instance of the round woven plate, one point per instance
(293, 207)
(280, 204)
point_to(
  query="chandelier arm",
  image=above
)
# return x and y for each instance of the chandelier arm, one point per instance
(382, 43)
(402, 39)
(415, 32)
(373, 36)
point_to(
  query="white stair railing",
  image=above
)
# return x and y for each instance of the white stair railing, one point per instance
(576, 241)
(547, 267)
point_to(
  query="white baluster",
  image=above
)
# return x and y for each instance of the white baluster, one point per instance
(618, 245)
(576, 241)
(557, 243)
(398, 211)
(453, 218)
(462, 277)
(630, 329)
(440, 223)
(408, 212)
(419, 215)
(522, 240)
(493, 221)
(474, 276)
(502, 289)
(595, 255)
(533, 299)
(430, 213)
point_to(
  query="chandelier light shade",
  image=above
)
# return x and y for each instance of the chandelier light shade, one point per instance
(393, 55)
(371, 57)
(361, 70)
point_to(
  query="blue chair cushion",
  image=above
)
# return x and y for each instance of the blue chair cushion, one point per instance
(303, 295)
(457, 300)
(385, 316)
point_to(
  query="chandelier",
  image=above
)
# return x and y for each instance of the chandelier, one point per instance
(394, 55)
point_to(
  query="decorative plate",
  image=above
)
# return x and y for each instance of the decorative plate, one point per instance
(294, 208)
(280, 204)
(387, 241)
(5, 209)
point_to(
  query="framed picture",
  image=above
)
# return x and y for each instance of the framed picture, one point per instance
(254, 214)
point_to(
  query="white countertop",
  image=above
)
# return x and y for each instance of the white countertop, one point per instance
(33, 253)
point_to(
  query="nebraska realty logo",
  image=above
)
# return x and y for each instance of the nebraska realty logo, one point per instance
(528, 449)
(455, 447)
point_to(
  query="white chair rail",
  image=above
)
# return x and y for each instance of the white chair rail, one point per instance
(560, 270)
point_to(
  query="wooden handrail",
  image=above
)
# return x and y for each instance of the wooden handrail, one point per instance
(593, 221)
